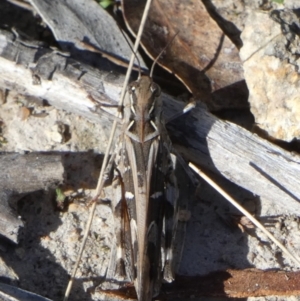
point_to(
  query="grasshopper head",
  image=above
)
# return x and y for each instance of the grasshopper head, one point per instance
(145, 107)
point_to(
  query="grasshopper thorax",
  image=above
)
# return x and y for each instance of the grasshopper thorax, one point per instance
(144, 107)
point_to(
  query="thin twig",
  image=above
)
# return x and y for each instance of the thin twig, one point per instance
(295, 258)
(107, 152)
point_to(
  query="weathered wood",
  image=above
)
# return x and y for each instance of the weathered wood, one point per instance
(21, 174)
(226, 284)
(220, 146)
(73, 22)
(12, 293)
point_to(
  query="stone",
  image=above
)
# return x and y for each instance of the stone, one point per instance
(270, 60)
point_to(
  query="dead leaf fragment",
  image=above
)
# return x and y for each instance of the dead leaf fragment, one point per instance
(201, 56)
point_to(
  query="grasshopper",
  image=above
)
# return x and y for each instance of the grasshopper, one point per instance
(145, 197)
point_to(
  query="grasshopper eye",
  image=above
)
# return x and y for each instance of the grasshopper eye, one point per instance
(132, 88)
(155, 89)
(132, 97)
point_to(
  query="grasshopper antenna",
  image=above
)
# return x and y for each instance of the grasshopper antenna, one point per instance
(191, 105)
(105, 160)
(134, 52)
(160, 54)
